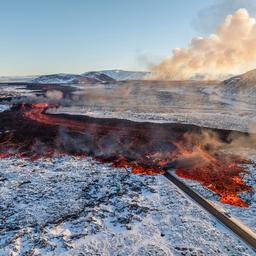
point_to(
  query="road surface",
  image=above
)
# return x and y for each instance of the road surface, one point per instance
(245, 234)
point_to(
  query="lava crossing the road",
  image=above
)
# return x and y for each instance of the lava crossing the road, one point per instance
(144, 147)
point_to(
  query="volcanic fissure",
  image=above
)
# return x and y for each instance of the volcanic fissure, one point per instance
(27, 130)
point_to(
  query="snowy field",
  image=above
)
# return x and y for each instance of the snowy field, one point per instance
(14, 91)
(67, 206)
(203, 105)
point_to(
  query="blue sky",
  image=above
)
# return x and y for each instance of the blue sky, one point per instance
(49, 36)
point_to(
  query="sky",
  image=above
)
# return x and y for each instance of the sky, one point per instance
(52, 36)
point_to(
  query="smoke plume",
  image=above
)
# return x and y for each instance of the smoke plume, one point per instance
(216, 13)
(230, 50)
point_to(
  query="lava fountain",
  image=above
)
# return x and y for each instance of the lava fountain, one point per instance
(28, 131)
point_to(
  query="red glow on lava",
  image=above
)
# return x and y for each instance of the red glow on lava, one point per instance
(143, 147)
(221, 177)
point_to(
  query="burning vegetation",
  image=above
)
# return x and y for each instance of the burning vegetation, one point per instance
(147, 148)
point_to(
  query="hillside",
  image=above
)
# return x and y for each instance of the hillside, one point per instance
(121, 75)
(105, 76)
(91, 77)
(244, 81)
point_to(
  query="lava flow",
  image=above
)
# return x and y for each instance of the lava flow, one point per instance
(28, 131)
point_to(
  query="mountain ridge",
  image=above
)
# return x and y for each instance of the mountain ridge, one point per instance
(247, 79)
(101, 76)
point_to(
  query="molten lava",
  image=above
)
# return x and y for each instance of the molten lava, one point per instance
(143, 147)
(221, 177)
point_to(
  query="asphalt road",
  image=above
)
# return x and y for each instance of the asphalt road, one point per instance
(246, 235)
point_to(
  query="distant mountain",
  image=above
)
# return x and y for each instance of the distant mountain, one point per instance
(120, 75)
(99, 76)
(91, 77)
(104, 76)
(57, 79)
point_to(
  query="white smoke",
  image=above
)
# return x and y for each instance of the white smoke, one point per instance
(230, 50)
(54, 95)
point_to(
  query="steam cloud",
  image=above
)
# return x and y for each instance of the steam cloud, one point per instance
(54, 95)
(230, 50)
(216, 13)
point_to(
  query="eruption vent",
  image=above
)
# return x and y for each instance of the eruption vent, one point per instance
(230, 50)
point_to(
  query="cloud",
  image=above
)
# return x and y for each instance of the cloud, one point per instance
(230, 50)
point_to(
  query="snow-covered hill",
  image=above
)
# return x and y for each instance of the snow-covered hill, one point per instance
(57, 78)
(121, 75)
(242, 84)
(105, 76)
(99, 76)
(91, 77)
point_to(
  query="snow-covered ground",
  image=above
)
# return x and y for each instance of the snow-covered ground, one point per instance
(234, 122)
(203, 105)
(14, 91)
(67, 206)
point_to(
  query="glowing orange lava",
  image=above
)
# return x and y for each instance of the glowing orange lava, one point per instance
(219, 176)
(144, 147)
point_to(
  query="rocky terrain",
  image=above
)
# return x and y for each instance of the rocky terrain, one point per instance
(68, 206)
(71, 206)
